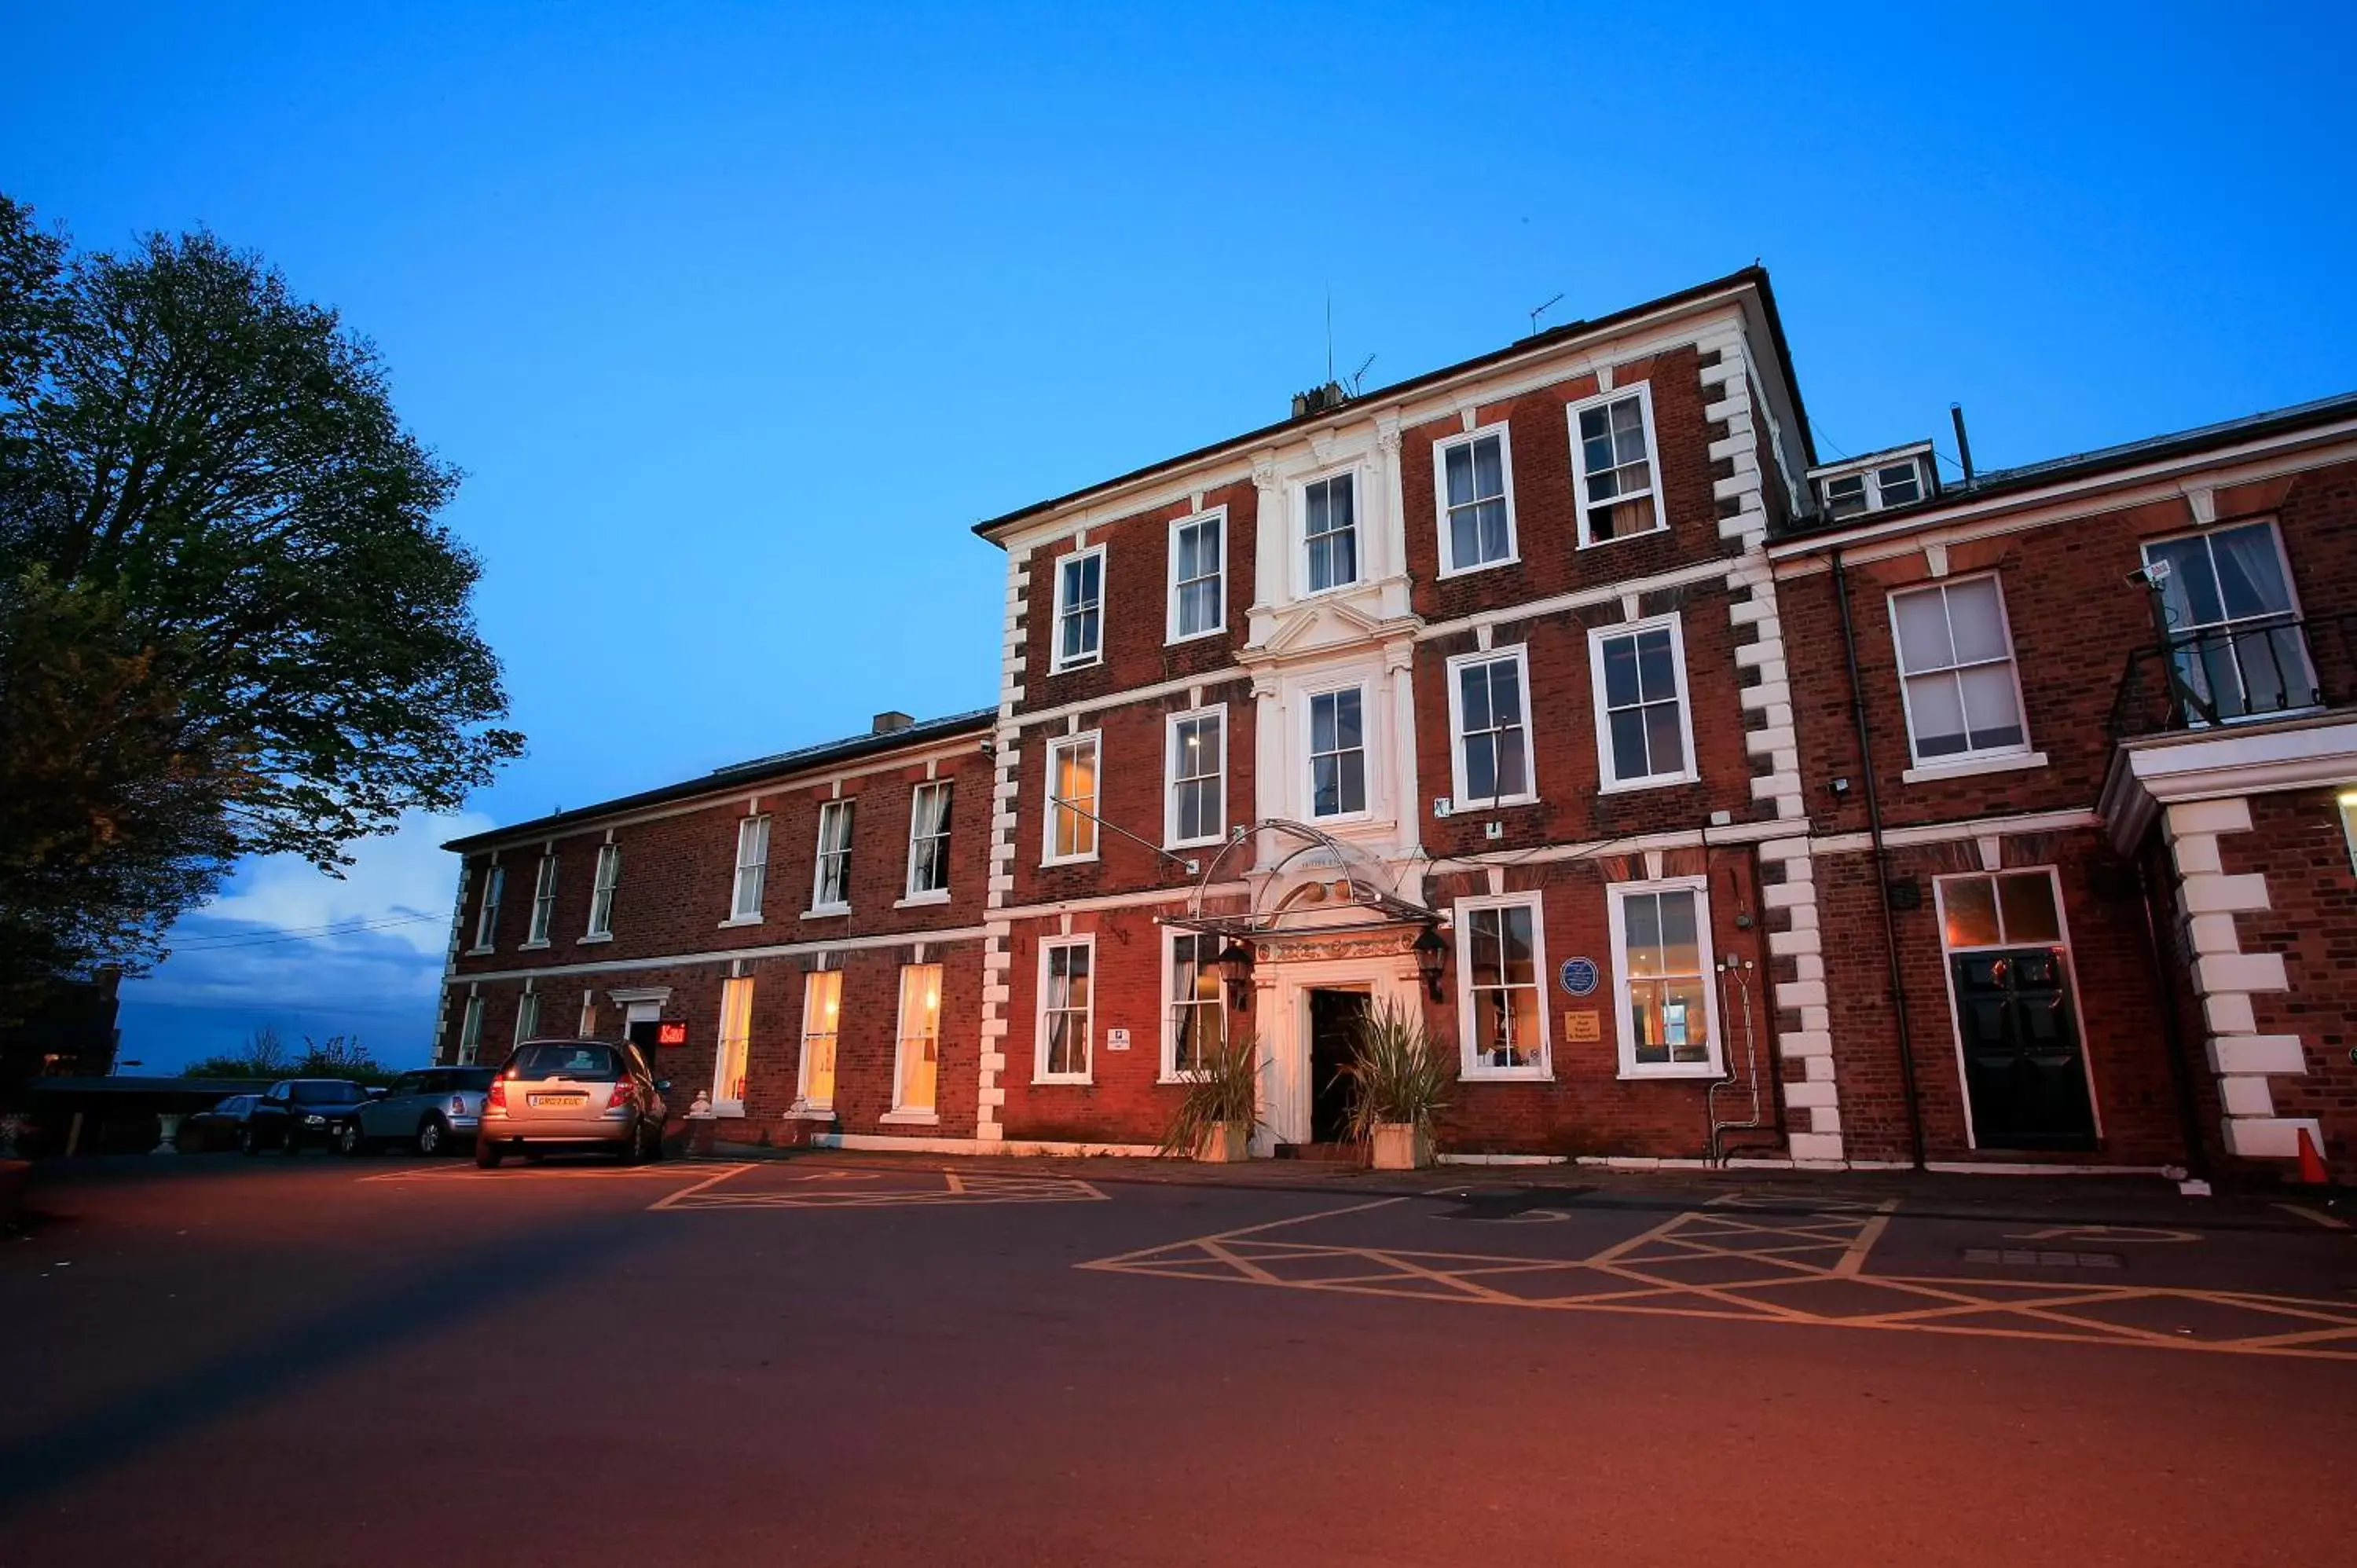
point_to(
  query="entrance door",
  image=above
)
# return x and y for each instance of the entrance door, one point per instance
(2023, 1064)
(639, 1021)
(1333, 1039)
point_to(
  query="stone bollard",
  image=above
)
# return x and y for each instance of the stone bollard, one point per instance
(169, 1143)
(699, 1126)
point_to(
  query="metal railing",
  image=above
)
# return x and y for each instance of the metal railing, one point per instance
(2240, 672)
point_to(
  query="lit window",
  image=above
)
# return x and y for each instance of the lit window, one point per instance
(1072, 797)
(1199, 1024)
(588, 1016)
(1080, 608)
(2349, 823)
(1338, 754)
(2014, 908)
(1499, 1001)
(2238, 648)
(1065, 997)
(1198, 778)
(471, 1031)
(1331, 531)
(736, 1046)
(544, 901)
(917, 1069)
(1612, 467)
(929, 839)
(752, 868)
(601, 892)
(822, 1002)
(1198, 568)
(1660, 947)
(1477, 517)
(527, 1016)
(1643, 736)
(831, 873)
(487, 914)
(1489, 704)
(1955, 665)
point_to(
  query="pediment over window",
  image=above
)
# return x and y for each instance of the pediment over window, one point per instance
(1325, 624)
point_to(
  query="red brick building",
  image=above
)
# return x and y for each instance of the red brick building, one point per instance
(2081, 769)
(797, 940)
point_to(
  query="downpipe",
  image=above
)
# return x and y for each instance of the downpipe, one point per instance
(1737, 972)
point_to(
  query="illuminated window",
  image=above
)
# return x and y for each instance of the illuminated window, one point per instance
(2014, 908)
(1065, 997)
(2349, 823)
(1072, 799)
(1198, 1021)
(1501, 1011)
(1668, 1009)
(736, 1046)
(917, 1070)
(821, 1004)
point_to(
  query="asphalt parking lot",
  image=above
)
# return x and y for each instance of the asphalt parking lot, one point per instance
(836, 1360)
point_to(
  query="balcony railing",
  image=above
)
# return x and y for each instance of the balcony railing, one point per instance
(2238, 673)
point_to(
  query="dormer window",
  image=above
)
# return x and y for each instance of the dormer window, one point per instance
(1874, 484)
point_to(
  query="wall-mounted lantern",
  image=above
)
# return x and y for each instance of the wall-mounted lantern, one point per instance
(1431, 954)
(1235, 966)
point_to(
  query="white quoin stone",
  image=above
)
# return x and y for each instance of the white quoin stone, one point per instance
(2228, 816)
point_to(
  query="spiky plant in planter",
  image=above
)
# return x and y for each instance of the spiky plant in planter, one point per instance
(1221, 1106)
(1398, 1082)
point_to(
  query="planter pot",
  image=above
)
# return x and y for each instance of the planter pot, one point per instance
(1225, 1146)
(1402, 1146)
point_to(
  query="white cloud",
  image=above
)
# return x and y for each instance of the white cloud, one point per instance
(406, 873)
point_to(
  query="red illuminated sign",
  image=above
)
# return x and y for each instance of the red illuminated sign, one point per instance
(670, 1034)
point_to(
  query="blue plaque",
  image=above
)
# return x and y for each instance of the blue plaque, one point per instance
(1578, 976)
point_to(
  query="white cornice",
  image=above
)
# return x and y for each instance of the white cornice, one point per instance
(2162, 770)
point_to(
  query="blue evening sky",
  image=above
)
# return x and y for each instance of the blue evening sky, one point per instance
(738, 315)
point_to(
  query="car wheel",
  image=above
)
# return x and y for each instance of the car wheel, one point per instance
(488, 1153)
(656, 1143)
(431, 1135)
(245, 1144)
(636, 1152)
(289, 1144)
(349, 1141)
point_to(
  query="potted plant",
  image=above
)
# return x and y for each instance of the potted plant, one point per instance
(1216, 1117)
(1398, 1080)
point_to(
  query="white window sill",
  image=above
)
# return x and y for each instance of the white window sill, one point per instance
(938, 896)
(727, 1108)
(528, 947)
(1659, 781)
(910, 1119)
(1681, 1071)
(1328, 591)
(1090, 664)
(1069, 860)
(826, 912)
(1062, 1080)
(479, 952)
(801, 1112)
(1214, 842)
(1659, 527)
(1473, 808)
(741, 921)
(1505, 1074)
(1179, 1078)
(1341, 818)
(592, 937)
(1177, 637)
(1971, 765)
(1485, 566)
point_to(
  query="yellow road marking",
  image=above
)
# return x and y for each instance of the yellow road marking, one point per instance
(1854, 1258)
(2330, 1221)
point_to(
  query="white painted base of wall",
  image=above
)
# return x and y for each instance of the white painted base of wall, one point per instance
(875, 1142)
(1503, 1159)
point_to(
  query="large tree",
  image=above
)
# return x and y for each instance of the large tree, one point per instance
(230, 622)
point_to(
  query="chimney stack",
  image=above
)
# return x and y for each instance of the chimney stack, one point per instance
(890, 720)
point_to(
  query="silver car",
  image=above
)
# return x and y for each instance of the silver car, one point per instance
(428, 1110)
(572, 1094)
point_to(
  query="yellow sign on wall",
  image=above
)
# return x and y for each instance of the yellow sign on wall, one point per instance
(1583, 1026)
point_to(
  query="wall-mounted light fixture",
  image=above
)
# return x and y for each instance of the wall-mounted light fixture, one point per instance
(1431, 954)
(1235, 966)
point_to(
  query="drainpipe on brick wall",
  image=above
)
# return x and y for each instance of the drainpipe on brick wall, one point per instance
(1881, 869)
(2181, 1071)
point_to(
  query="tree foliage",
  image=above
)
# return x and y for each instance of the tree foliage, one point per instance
(230, 622)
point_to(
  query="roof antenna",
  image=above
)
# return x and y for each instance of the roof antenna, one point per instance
(1537, 311)
(1360, 375)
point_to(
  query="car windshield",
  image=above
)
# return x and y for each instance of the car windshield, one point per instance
(326, 1093)
(474, 1078)
(592, 1063)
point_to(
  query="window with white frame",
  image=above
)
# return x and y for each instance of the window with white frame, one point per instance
(1668, 1008)
(1338, 754)
(1329, 531)
(1475, 473)
(471, 1031)
(1066, 994)
(1957, 671)
(2000, 910)
(1489, 708)
(831, 870)
(1080, 608)
(917, 1069)
(1199, 560)
(736, 1046)
(2348, 804)
(1072, 797)
(752, 868)
(1614, 472)
(1872, 490)
(822, 1005)
(1199, 794)
(544, 901)
(601, 890)
(1502, 1002)
(2233, 621)
(1643, 736)
(929, 840)
(487, 912)
(1197, 1025)
(527, 1016)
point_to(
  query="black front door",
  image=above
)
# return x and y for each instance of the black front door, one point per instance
(1333, 1039)
(2023, 1066)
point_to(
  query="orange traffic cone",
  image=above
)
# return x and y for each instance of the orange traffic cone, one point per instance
(2312, 1163)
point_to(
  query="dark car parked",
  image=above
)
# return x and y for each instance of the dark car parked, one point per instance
(299, 1110)
(218, 1126)
(429, 1110)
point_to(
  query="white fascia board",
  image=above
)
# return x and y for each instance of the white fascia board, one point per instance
(2161, 770)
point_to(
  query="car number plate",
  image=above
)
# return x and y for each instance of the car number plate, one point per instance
(559, 1099)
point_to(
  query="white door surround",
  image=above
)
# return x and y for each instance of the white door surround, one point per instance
(1281, 1019)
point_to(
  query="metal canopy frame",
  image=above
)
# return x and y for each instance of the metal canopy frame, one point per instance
(1361, 890)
